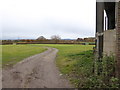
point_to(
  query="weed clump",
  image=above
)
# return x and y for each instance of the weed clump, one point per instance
(83, 74)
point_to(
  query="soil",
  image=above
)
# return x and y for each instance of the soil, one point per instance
(38, 71)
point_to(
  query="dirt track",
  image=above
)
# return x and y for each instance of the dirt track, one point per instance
(38, 71)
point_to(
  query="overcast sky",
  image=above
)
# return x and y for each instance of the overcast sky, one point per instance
(34, 18)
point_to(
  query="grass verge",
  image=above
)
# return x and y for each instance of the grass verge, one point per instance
(74, 61)
(11, 54)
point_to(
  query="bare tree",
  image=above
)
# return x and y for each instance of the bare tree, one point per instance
(55, 38)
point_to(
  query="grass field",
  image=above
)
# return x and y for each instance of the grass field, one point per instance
(11, 54)
(64, 60)
(74, 61)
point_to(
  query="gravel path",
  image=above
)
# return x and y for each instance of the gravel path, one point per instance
(38, 71)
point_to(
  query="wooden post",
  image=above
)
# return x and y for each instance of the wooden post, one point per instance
(99, 33)
(99, 27)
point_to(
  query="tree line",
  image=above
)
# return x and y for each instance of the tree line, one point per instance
(55, 39)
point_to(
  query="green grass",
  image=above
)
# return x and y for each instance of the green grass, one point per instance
(64, 61)
(11, 54)
(83, 68)
(74, 61)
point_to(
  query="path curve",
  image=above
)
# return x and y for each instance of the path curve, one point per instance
(38, 71)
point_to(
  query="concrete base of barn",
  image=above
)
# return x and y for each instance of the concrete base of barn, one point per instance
(109, 42)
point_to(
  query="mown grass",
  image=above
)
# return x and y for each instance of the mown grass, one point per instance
(64, 60)
(11, 54)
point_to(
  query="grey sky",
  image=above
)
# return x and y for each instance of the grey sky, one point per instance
(34, 18)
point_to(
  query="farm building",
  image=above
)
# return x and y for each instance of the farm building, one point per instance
(108, 29)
